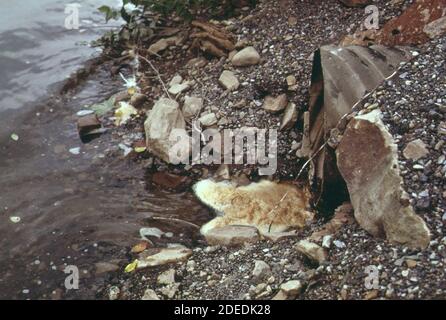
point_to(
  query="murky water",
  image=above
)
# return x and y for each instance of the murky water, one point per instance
(74, 209)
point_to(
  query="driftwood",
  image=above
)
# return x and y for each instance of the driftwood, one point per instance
(211, 39)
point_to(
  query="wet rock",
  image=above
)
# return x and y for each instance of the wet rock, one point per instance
(167, 277)
(161, 120)
(415, 150)
(232, 235)
(436, 28)
(208, 120)
(368, 161)
(192, 107)
(312, 251)
(86, 125)
(289, 117)
(229, 81)
(137, 100)
(165, 256)
(105, 267)
(275, 104)
(246, 57)
(289, 290)
(150, 294)
(261, 270)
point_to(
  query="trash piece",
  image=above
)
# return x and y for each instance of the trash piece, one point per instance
(15, 219)
(139, 146)
(86, 124)
(266, 205)
(150, 232)
(14, 137)
(132, 266)
(131, 84)
(140, 149)
(127, 150)
(75, 151)
(124, 113)
(140, 247)
(103, 108)
(83, 113)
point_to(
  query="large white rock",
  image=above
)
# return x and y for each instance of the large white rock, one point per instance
(161, 120)
(368, 161)
(165, 256)
(232, 235)
(246, 57)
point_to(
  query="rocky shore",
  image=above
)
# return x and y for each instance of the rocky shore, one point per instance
(257, 70)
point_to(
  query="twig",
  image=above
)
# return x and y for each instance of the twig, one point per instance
(273, 209)
(311, 159)
(158, 75)
(176, 220)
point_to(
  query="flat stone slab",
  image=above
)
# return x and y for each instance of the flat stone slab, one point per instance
(232, 235)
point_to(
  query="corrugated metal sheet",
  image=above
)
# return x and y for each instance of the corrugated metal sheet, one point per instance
(349, 73)
(341, 77)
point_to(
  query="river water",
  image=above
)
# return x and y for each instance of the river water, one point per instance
(76, 210)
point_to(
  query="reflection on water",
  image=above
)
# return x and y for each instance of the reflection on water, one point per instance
(36, 50)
